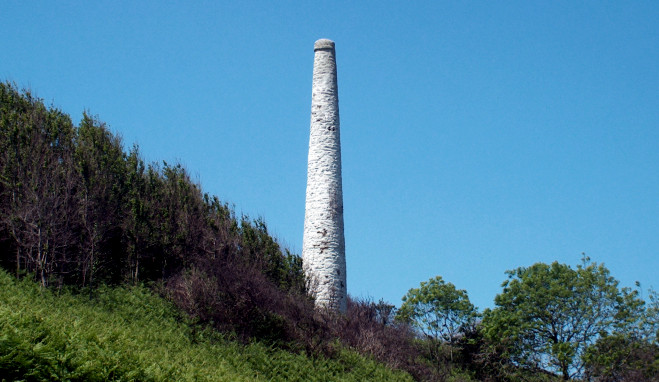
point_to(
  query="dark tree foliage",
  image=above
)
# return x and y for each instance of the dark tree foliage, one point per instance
(371, 328)
(622, 358)
(76, 209)
(259, 248)
(101, 165)
(39, 186)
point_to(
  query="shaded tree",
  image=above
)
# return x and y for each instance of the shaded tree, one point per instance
(631, 354)
(102, 170)
(135, 216)
(440, 312)
(621, 357)
(261, 249)
(438, 309)
(38, 184)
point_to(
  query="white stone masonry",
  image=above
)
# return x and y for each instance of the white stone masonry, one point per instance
(323, 247)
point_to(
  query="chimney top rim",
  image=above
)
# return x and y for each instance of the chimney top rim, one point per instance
(323, 43)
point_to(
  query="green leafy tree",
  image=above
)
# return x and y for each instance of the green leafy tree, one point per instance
(650, 325)
(548, 314)
(437, 309)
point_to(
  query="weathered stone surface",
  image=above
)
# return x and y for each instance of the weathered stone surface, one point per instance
(323, 247)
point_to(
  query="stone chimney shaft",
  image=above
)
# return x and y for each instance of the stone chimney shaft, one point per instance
(323, 248)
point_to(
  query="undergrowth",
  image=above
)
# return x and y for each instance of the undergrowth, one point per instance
(128, 333)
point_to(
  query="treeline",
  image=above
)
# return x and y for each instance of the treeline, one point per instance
(550, 322)
(75, 209)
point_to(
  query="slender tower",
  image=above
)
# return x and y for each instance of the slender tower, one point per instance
(323, 246)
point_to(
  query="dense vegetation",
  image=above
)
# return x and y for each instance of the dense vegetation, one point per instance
(90, 224)
(77, 211)
(128, 333)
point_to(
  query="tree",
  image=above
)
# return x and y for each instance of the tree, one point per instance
(632, 355)
(548, 314)
(620, 357)
(439, 311)
(101, 168)
(650, 323)
(37, 195)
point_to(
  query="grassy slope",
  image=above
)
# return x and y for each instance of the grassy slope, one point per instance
(131, 334)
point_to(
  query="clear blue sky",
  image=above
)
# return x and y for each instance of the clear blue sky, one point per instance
(477, 136)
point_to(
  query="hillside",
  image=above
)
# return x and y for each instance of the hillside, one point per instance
(128, 333)
(78, 212)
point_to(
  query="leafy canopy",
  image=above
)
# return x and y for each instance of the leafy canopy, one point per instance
(548, 314)
(437, 309)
